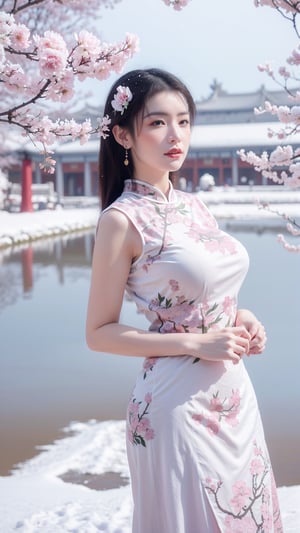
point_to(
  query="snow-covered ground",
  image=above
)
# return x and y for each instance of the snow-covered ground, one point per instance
(16, 228)
(35, 499)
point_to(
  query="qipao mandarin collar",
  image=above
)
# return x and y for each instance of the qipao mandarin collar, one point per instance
(144, 189)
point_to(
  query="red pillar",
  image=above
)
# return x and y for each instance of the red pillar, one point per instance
(221, 172)
(27, 271)
(26, 204)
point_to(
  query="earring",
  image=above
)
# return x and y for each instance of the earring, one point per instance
(126, 161)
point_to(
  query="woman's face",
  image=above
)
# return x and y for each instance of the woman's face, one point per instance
(162, 135)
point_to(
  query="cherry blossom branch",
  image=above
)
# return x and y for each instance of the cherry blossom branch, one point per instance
(292, 226)
(291, 221)
(22, 7)
(48, 65)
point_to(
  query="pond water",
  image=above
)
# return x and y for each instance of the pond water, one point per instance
(48, 377)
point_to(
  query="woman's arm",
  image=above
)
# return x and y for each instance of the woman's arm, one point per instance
(117, 244)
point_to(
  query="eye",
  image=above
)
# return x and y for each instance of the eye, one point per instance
(157, 122)
(184, 122)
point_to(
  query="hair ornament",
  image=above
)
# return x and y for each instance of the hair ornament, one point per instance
(121, 99)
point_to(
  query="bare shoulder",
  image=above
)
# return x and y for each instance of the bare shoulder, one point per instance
(115, 227)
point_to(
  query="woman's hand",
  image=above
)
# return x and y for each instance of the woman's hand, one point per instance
(227, 344)
(257, 333)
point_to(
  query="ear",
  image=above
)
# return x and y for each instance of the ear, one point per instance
(122, 136)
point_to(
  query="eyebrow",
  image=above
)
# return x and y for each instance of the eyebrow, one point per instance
(164, 114)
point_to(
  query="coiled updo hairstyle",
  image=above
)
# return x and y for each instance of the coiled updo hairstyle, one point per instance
(143, 84)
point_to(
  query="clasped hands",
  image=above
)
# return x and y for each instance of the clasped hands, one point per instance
(257, 335)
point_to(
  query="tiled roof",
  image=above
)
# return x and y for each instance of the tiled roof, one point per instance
(221, 106)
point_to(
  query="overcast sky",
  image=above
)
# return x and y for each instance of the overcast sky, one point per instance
(222, 39)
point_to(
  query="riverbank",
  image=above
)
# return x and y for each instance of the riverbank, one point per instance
(18, 228)
(239, 207)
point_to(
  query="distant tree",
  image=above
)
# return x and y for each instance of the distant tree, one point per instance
(282, 165)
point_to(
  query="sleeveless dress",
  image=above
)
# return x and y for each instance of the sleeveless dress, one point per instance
(195, 441)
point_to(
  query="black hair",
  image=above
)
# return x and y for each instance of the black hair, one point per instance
(143, 84)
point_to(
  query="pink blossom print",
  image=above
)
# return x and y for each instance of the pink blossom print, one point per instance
(251, 508)
(229, 306)
(220, 243)
(226, 409)
(148, 365)
(139, 427)
(175, 314)
(209, 234)
(179, 314)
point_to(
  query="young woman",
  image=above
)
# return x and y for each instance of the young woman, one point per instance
(195, 442)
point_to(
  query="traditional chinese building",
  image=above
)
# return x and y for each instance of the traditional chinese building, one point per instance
(224, 124)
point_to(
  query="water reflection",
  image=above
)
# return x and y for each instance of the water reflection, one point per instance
(70, 253)
(49, 377)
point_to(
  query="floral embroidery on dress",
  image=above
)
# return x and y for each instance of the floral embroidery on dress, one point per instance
(169, 216)
(220, 409)
(139, 427)
(140, 188)
(170, 313)
(148, 365)
(251, 503)
(212, 238)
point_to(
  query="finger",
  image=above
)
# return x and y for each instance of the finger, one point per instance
(261, 333)
(242, 345)
(259, 339)
(235, 357)
(241, 331)
(258, 348)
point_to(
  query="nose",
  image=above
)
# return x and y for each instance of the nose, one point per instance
(174, 134)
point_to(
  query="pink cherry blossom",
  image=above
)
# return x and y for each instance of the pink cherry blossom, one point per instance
(176, 4)
(62, 89)
(288, 246)
(228, 304)
(48, 165)
(241, 493)
(148, 397)
(174, 285)
(281, 155)
(212, 424)
(51, 63)
(103, 126)
(294, 58)
(257, 467)
(287, 6)
(149, 362)
(7, 24)
(235, 398)
(216, 404)
(282, 71)
(20, 37)
(197, 417)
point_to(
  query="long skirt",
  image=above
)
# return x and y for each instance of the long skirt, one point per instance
(196, 449)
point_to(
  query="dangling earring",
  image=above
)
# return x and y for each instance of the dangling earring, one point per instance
(126, 161)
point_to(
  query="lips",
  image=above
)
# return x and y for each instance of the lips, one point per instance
(174, 152)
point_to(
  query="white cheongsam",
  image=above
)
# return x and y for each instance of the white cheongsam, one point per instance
(195, 442)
